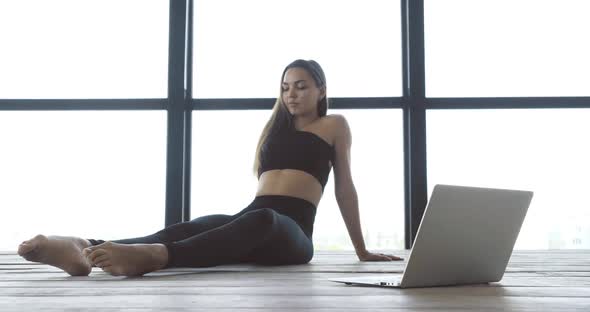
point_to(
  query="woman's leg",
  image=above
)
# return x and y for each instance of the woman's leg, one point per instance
(256, 234)
(66, 252)
(176, 232)
(261, 236)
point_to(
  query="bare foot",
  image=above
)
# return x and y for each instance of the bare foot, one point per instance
(127, 259)
(63, 252)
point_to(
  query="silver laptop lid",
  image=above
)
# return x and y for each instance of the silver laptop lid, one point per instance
(466, 236)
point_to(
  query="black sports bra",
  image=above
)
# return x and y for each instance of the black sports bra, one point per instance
(300, 150)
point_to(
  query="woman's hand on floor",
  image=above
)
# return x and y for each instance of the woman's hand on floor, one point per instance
(369, 256)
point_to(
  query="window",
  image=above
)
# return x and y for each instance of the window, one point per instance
(506, 48)
(543, 151)
(83, 49)
(94, 174)
(241, 47)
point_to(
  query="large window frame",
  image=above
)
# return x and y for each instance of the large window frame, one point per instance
(179, 105)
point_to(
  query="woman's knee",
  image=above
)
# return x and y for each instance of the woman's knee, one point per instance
(309, 256)
(264, 217)
(306, 254)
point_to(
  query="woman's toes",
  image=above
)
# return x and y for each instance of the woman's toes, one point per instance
(103, 264)
(101, 260)
(94, 254)
(63, 252)
(31, 244)
(88, 250)
(25, 248)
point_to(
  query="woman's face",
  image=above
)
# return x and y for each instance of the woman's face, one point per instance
(299, 92)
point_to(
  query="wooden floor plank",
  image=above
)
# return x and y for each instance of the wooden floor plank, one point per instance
(554, 280)
(409, 301)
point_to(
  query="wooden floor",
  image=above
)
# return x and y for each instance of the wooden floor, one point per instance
(534, 281)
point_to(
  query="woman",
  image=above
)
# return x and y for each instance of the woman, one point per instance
(295, 153)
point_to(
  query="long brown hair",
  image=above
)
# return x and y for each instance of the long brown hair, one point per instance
(281, 119)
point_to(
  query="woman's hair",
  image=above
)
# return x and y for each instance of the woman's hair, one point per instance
(281, 119)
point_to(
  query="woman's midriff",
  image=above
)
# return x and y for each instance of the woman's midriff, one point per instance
(289, 182)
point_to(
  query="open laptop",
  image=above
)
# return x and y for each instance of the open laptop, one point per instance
(466, 236)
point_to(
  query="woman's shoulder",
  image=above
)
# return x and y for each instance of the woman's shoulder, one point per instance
(334, 119)
(335, 126)
(336, 122)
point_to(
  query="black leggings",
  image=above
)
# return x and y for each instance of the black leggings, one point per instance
(272, 230)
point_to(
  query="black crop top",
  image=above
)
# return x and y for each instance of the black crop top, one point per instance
(300, 150)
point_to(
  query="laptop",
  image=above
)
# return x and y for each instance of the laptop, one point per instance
(466, 236)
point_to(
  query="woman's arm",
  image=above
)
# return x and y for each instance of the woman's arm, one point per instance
(346, 195)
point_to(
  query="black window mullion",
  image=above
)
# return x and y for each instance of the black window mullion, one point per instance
(188, 108)
(267, 103)
(81, 104)
(415, 183)
(176, 113)
(509, 102)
